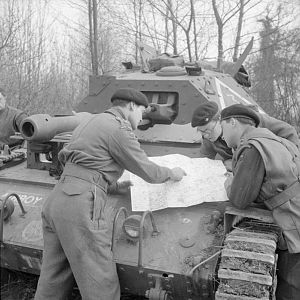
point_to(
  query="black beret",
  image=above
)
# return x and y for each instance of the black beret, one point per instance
(129, 94)
(204, 113)
(240, 111)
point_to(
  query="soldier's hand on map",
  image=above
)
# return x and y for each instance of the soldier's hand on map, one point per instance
(123, 187)
(177, 174)
(228, 165)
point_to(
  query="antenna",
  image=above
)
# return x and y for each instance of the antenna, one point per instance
(241, 59)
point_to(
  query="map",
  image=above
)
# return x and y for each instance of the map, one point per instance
(204, 183)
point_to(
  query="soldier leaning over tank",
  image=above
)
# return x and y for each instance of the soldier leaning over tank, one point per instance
(76, 235)
(207, 120)
(10, 120)
(266, 171)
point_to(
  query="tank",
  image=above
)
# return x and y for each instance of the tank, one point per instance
(206, 251)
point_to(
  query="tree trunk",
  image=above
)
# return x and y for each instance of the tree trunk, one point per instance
(174, 27)
(136, 33)
(188, 44)
(167, 30)
(90, 13)
(140, 27)
(194, 29)
(95, 39)
(239, 30)
(220, 34)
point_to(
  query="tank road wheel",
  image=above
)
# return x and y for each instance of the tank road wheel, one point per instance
(247, 269)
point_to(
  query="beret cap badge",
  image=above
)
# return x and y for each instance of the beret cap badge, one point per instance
(204, 113)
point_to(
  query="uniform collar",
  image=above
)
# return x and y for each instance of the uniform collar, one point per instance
(117, 111)
(243, 138)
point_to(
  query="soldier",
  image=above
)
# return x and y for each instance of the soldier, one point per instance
(10, 120)
(207, 120)
(76, 234)
(266, 171)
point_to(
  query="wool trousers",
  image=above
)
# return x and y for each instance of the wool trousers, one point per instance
(77, 242)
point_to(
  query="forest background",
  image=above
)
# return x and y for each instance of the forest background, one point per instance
(48, 48)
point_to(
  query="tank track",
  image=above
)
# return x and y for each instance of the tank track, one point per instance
(247, 268)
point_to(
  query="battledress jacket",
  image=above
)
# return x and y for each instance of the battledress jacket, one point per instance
(211, 149)
(10, 120)
(106, 143)
(276, 184)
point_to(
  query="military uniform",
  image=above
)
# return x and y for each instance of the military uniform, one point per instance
(10, 120)
(281, 161)
(273, 165)
(76, 238)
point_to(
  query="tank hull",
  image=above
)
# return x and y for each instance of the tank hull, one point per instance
(180, 262)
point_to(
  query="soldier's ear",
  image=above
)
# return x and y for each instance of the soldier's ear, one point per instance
(131, 105)
(233, 121)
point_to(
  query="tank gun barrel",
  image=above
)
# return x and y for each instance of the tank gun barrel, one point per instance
(43, 127)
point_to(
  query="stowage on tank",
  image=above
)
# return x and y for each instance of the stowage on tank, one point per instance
(207, 251)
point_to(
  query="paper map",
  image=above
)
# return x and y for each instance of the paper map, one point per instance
(204, 183)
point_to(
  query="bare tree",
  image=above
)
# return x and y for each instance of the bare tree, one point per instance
(180, 31)
(229, 10)
(34, 68)
(9, 25)
(137, 10)
(181, 22)
(276, 71)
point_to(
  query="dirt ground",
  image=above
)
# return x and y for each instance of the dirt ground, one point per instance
(22, 286)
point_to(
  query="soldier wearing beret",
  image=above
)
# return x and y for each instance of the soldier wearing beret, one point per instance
(76, 234)
(266, 171)
(207, 119)
(10, 120)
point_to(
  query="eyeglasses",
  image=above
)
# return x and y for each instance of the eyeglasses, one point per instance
(141, 108)
(207, 131)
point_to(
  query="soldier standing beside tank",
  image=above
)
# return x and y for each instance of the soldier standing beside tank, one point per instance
(266, 171)
(76, 236)
(10, 120)
(207, 120)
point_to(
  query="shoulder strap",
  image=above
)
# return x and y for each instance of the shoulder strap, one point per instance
(124, 123)
(284, 196)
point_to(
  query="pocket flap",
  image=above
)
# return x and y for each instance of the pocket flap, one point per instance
(72, 188)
